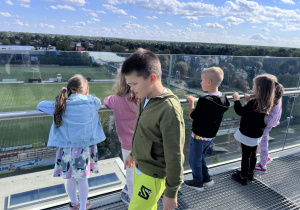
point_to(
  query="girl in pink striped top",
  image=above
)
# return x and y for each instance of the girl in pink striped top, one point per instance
(124, 104)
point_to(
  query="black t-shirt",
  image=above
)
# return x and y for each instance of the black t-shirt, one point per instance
(208, 114)
(252, 123)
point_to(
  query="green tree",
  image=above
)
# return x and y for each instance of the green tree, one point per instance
(25, 41)
(117, 48)
(182, 67)
(5, 41)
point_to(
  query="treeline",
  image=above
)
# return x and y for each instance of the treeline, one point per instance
(63, 43)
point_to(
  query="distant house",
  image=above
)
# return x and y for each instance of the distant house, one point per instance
(17, 41)
(75, 44)
(91, 45)
(49, 48)
(80, 49)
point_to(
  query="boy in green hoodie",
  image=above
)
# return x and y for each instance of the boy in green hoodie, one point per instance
(159, 135)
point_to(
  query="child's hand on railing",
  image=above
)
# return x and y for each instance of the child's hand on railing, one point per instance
(190, 99)
(247, 97)
(236, 96)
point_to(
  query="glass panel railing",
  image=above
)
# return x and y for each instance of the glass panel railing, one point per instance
(292, 131)
(239, 72)
(43, 73)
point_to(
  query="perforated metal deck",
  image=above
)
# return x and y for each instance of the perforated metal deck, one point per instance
(277, 189)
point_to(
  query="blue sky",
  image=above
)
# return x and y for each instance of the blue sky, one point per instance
(271, 23)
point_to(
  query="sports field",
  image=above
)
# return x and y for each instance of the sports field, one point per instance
(20, 97)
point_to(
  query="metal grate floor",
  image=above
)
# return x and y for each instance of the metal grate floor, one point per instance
(277, 189)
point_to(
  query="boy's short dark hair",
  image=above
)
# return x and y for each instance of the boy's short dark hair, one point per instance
(143, 62)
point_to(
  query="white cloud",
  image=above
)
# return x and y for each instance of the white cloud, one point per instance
(195, 25)
(46, 25)
(261, 37)
(86, 10)
(80, 23)
(113, 2)
(9, 2)
(288, 1)
(188, 29)
(274, 24)
(152, 18)
(63, 21)
(19, 23)
(106, 29)
(265, 29)
(100, 12)
(5, 14)
(25, 1)
(191, 17)
(254, 20)
(169, 24)
(25, 5)
(93, 14)
(132, 17)
(156, 27)
(75, 2)
(233, 20)
(290, 28)
(66, 7)
(214, 25)
(96, 19)
(243, 9)
(114, 9)
(132, 25)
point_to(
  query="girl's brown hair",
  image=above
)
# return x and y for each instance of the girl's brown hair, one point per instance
(77, 84)
(121, 88)
(265, 92)
(279, 90)
(278, 93)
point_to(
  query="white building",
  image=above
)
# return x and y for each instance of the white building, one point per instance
(16, 47)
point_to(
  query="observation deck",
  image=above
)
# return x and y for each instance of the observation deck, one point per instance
(26, 164)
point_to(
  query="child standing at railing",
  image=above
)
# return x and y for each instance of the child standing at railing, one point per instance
(75, 132)
(207, 117)
(124, 104)
(253, 122)
(273, 119)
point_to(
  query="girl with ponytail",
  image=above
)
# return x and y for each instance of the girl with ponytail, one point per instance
(75, 132)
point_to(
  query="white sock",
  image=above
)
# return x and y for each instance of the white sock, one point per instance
(71, 189)
(83, 189)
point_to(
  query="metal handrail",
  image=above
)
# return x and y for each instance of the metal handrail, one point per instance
(37, 113)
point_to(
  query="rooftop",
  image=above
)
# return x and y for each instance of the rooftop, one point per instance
(26, 164)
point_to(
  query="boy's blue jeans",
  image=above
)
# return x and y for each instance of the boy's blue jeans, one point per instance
(197, 160)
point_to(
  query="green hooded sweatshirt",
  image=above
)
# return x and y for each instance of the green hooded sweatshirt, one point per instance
(158, 140)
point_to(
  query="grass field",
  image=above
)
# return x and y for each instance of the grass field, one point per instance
(20, 97)
(23, 73)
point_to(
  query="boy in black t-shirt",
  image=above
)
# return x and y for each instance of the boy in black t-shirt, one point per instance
(207, 117)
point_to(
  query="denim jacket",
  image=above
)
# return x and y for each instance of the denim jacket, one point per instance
(80, 122)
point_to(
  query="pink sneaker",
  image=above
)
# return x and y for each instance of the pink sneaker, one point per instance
(76, 206)
(260, 168)
(269, 160)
